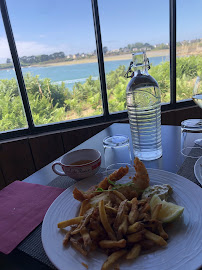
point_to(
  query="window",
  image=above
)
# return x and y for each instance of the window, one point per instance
(129, 28)
(70, 58)
(189, 46)
(12, 115)
(57, 52)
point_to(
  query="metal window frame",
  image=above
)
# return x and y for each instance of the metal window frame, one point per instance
(172, 17)
(106, 117)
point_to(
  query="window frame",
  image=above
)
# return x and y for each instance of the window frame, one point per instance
(106, 117)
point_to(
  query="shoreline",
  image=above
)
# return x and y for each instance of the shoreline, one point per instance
(159, 53)
(150, 54)
(106, 59)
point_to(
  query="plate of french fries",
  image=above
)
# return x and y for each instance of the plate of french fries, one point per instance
(104, 222)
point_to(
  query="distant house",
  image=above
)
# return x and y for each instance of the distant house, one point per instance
(75, 56)
(70, 56)
(8, 61)
(114, 51)
(126, 50)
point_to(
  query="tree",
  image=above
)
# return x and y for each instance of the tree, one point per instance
(105, 50)
(138, 45)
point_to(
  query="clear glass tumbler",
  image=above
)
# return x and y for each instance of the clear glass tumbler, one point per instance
(190, 144)
(117, 151)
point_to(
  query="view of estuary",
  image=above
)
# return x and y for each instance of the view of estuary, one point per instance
(70, 74)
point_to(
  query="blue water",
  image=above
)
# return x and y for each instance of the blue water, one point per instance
(74, 73)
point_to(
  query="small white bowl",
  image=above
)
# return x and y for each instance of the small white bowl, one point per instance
(79, 164)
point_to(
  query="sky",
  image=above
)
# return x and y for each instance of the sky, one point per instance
(48, 26)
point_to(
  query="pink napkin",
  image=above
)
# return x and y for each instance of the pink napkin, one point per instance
(22, 209)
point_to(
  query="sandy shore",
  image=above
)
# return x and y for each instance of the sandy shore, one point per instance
(106, 58)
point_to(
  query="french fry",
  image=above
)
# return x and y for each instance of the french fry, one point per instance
(155, 238)
(119, 195)
(144, 216)
(84, 221)
(110, 210)
(85, 265)
(123, 228)
(135, 237)
(155, 212)
(112, 259)
(86, 237)
(94, 234)
(137, 226)
(146, 208)
(66, 238)
(134, 252)
(161, 231)
(78, 246)
(85, 205)
(104, 220)
(69, 222)
(134, 213)
(120, 214)
(112, 244)
(97, 235)
(96, 226)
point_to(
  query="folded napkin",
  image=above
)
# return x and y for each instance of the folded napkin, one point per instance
(22, 209)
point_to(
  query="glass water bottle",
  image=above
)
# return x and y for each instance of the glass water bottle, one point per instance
(144, 109)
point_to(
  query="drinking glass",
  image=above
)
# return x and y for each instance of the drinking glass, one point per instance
(187, 148)
(197, 98)
(117, 151)
(190, 126)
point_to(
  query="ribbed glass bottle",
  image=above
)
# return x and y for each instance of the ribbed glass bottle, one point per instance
(144, 110)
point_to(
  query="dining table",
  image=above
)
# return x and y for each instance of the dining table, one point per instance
(29, 254)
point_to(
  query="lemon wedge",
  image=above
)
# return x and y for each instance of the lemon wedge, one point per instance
(169, 211)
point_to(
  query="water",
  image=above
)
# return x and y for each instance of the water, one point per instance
(145, 122)
(70, 74)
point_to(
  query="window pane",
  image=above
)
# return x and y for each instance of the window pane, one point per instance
(130, 27)
(56, 46)
(189, 46)
(12, 115)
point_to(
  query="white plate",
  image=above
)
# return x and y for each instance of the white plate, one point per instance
(198, 170)
(184, 249)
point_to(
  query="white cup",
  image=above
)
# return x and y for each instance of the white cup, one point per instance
(79, 164)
